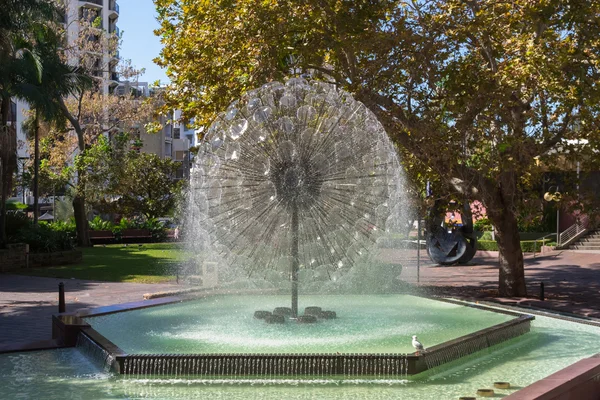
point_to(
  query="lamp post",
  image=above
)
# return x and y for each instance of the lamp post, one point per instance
(555, 196)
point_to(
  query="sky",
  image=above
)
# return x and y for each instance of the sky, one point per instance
(137, 20)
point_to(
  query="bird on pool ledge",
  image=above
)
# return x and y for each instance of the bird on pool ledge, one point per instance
(417, 345)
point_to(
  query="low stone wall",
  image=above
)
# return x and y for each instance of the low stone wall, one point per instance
(13, 257)
(17, 256)
(53, 259)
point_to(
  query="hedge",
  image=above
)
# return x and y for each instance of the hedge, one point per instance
(526, 245)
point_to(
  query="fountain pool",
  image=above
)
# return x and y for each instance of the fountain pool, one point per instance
(68, 374)
(225, 324)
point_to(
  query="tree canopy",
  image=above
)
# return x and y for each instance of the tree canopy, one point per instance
(474, 90)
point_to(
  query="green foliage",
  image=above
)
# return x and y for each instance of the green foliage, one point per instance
(67, 227)
(15, 221)
(98, 224)
(148, 186)
(526, 245)
(156, 228)
(482, 224)
(44, 239)
(15, 206)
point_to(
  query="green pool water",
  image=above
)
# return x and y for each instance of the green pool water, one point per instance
(225, 324)
(549, 347)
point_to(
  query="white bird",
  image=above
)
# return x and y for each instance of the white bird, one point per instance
(417, 345)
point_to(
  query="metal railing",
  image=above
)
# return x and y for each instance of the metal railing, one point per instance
(574, 231)
(543, 240)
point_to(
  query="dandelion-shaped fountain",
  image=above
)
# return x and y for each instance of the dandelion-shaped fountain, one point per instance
(295, 176)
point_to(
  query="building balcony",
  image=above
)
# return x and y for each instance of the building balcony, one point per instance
(113, 78)
(114, 59)
(92, 3)
(113, 9)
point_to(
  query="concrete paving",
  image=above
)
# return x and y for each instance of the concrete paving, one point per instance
(571, 281)
(27, 302)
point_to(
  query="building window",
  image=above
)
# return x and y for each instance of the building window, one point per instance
(176, 133)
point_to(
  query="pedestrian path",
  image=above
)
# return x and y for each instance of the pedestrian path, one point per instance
(27, 302)
(571, 281)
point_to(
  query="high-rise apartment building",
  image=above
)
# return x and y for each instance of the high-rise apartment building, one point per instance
(103, 14)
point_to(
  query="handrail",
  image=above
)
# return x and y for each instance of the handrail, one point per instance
(574, 231)
(543, 241)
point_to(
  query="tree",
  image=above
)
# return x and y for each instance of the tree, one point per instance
(57, 80)
(475, 90)
(92, 114)
(148, 185)
(24, 34)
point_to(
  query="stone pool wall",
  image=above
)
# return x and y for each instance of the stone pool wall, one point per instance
(579, 381)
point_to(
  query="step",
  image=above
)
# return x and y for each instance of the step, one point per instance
(585, 247)
(589, 240)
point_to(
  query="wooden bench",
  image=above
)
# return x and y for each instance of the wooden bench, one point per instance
(99, 237)
(136, 235)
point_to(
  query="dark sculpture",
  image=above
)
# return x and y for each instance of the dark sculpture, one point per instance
(456, 245)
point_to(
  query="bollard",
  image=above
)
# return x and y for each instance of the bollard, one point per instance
(542, 291)
(61, 298)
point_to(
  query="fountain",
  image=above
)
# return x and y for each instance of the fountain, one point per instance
(296, 176)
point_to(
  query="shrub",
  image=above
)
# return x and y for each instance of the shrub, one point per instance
(15, 221)
(526, 245)
(98, 224)
(487, 245)
(44, 239)
(67, 227)
(157, 229)
(15, 206)
(482, 224)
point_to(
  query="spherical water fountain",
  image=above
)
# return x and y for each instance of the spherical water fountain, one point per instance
(294, 176)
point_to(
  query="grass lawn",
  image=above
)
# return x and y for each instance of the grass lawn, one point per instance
(149, 263)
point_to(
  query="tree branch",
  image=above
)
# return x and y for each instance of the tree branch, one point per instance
(559, 135)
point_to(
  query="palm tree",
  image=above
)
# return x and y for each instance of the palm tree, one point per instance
(30, 69)
(57, 81)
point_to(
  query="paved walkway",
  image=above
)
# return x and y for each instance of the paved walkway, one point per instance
(27, 303)
(572, 284)
(571, 281)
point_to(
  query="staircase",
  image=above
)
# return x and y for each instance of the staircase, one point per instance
(590, 241)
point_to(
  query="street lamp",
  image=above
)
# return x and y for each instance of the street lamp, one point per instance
(555, 196)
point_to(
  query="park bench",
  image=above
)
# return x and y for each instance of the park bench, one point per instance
(136, 235)
(100, 237)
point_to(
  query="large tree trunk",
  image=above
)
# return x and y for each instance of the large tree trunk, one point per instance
(8, 163)
(512, 272)
(81, 222)
(2, 206)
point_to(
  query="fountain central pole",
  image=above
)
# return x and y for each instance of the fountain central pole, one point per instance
(295, 260)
